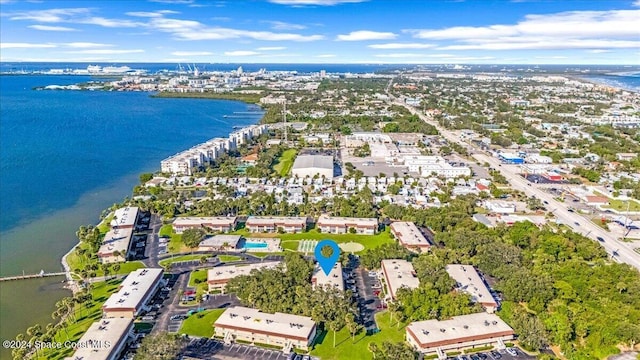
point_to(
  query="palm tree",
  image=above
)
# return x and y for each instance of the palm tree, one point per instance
(373, 347)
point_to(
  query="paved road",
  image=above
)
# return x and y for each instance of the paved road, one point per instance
(619, 251)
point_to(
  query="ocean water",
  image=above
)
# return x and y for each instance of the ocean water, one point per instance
(623, 80)
(67, 155)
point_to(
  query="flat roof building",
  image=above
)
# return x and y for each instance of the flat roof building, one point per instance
(217, 223)
(247, 324)
(115, 245)
(125, 217)
(218, 277)
(469, 281)
(104, 340)
(399, 274)
(220, 242)
(270, 224)
(410, 236)
(342, 225)
(457, 333)
(430, 165)
(312, 165)
(335, 279)
(134, 293)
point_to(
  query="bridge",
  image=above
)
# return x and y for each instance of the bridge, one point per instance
(41, 274)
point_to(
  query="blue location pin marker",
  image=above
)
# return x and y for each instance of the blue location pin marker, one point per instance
(326, 263)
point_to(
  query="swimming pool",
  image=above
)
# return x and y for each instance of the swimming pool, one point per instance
(255, 245)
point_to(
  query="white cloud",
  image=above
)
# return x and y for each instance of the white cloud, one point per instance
(636, 3)
(51, 28)
(106, 51)
(191, 53)
(363, 35)
(326, 56)
(86, 45)
(399, 55)
(271, 48)
(402, 46)
(281, 25)
(110, 23)
(314, 2)
(48, 16)
(6, 45)
(174, 2)
(143, 14)
(565, 30)
(598, 51)
(241, 53)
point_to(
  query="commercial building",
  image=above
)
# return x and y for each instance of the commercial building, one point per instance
(539, 159)
(343, 225)
(115, 245)
(434, 165)
(125, 218)
(468, 280)
(217, 223)
(409, 236)
(458, 333)
(218, 277)
(335, 279)
(500, 207)
(246, 324)
(312, 165)
(104, 340)
(134, 293)
(270, 224)
(510, 158)
(399, 274)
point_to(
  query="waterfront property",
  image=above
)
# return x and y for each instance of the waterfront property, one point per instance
(125, 218)
(115, 245)
(283, 330)
(409, 236)
(399, 274)
(468, 280)
(104, 340)
(343, 225)
(134, 293)
(270, 224)
(458, 333)
(218, 277)
(216, 223)
(334, 279)
(312, 165)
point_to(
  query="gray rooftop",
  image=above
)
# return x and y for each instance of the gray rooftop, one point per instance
(313, 161)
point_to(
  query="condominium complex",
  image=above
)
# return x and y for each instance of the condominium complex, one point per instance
(104, 340)
(125, 218)
(218, 223)
(458, 333)
(409, 236)
(283, 330)
(269, 224)
(399, 274)
(343, 225)
(218, 277)
(115, 245)
(188, 161)
(134, 293)
(469, 281)
(334, 279)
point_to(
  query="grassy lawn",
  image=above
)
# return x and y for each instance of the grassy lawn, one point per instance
(104, 224)
(357, 349)
(290, 241)
(175, 242)
(83, 317)
(198, 280)
(285, 162)
(620, 205)
(229, 258)
(201, 324)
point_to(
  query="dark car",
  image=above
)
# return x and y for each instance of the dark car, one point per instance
(483, 356)
(496, 355)
(577, 223)
(600, 239)
(474, 357)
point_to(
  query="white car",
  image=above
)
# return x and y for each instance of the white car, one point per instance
(512, 351)
(373, 274)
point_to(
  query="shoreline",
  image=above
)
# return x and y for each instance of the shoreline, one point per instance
(614, 86)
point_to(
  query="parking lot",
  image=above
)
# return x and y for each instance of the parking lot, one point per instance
(201, 348)
(494, 355)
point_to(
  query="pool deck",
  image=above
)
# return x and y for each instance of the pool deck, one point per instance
(272, 245)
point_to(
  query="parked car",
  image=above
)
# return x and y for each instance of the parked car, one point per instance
(496, 355)
(512, 351)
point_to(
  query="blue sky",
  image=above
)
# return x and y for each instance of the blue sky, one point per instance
(323, 31)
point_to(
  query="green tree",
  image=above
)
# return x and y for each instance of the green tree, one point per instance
(193, 237)
(160, 346)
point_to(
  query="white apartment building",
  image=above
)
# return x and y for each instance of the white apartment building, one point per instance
(399, 274)
(468, 280)
(342, 225)
(218, 277)
(335, 278)
(104, 340)
(409, 236)
(270, 224)
(134, 293)
(216, 223)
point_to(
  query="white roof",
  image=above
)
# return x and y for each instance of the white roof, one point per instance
(313, 161)
(478, 326)
(279, 220)
(101, 339)
(133, 289)
(409, 234)
(334, 279)
(125, 216)
(279, 324)
(204, 221)
(470, 282)
(399, 273)
(220, 240)
(325, 220)
(116, 240)
(226, 273)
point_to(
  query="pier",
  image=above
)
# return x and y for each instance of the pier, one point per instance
(41, 274)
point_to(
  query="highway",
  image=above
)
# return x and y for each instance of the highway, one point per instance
(618, 250)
